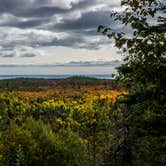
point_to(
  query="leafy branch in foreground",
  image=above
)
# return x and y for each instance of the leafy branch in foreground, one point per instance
(143, 74)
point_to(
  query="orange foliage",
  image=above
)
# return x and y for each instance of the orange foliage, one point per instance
(32, 94)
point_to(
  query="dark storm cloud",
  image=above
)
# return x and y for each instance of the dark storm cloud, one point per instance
(28, 55)
(23, 24)
(41, 7)
(86, 21)
(84, 4)
(9, 5)
(77, 18)
(40, 12)
(47, 11)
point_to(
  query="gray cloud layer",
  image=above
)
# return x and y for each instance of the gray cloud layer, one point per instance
(29, 24)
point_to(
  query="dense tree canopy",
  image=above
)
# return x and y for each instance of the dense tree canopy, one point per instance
(62, 122)
(144, 75)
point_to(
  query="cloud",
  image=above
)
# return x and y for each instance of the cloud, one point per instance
(43, 23)
(119, 52)
(86, 21)
(21, 52)
(12, 5)
(28, 55)
(114, 63)
(8, 55)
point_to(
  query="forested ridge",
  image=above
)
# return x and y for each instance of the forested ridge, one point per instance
(32, 84)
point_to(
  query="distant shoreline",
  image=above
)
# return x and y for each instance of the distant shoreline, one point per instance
(55, 76)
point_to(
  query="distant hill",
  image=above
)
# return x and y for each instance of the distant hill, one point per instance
(33, 84)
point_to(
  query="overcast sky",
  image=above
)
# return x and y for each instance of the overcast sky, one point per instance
(55, 31)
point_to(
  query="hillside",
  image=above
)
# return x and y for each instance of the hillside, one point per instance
(56, 121)
(32, 84)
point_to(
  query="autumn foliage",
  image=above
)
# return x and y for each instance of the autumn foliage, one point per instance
(62, 122)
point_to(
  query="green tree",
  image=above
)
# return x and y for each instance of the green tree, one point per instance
(142, 136)
(34, 143)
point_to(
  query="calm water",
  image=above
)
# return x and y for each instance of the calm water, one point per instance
(57, 72)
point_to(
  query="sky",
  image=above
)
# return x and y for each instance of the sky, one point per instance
(56, 31)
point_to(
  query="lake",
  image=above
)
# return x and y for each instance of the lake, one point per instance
(51, 72)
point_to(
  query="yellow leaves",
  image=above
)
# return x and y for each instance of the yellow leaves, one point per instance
(109, 94)
(134, 4)
(93, 121)
(1, 147)
(103, 96)
(1, 151)
(59, 121)
(1, 156)
(84, 141)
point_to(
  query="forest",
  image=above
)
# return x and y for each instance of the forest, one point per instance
(56, 122)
